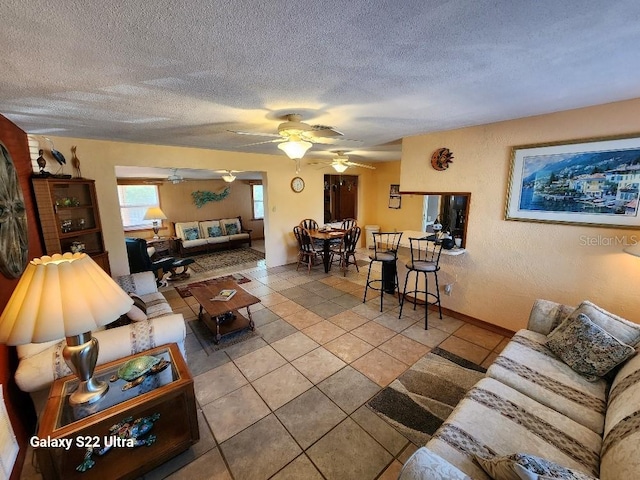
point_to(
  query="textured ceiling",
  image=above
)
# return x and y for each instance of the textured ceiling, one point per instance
(184, 73)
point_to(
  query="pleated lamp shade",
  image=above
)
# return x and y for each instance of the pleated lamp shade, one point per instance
(61, 296)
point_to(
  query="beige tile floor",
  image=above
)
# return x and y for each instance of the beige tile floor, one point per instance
(290, 403)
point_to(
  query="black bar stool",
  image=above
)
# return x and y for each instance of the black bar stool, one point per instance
(385, 251)
(425, 258)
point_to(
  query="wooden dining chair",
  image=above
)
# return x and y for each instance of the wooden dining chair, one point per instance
(308, 252)
(347, 249)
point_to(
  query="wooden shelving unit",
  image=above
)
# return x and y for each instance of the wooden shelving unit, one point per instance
(69, 213)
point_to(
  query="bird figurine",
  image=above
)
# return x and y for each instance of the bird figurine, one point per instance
(75, 161)
(42, 163)
(56, 154)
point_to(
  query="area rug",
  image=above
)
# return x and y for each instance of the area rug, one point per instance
(419, 400)
(205, 336)
(184, 292)
(225, 258)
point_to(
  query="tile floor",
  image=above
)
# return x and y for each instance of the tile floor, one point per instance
(290, 403)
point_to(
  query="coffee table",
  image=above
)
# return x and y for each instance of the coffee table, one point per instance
(215, 313)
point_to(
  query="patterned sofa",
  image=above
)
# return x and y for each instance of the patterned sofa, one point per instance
(208, 235)
(533, 416)
(41, 363)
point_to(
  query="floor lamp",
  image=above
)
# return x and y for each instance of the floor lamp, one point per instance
(65, 296)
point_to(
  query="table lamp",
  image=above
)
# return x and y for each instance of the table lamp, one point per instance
(155, 214)
(65, 296)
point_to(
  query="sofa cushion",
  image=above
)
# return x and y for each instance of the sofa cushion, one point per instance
(546, 315)
(587, 348)
(523, 466)
(619, 456)
(527, 365)
(182, 226)
(217, 240)
(624, 330)
(210, 228)
(194, 243)
(494, 419)
(239, 236)
(426, 465)
(231, 226)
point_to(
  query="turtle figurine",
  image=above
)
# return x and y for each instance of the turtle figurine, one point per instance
(136, 370)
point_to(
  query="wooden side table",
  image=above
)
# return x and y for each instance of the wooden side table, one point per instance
(166, 399)
(165, 246)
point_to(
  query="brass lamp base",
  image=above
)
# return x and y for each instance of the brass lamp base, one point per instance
(81, 354)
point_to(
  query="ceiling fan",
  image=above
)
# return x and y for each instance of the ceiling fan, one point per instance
(175, 178)
(228, 175)
(295, 137)
(341, 162)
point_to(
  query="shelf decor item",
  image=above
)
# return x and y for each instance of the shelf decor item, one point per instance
(65, 296)
(587, 182)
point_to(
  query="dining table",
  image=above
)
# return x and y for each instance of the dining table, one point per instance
(326, 236)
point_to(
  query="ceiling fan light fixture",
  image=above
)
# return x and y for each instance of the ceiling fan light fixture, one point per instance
(339, 167)
(295, 149)
(228, 178)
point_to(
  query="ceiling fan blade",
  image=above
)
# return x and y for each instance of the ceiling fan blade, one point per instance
(323, 131)
(362, 165)
(275, 140)
(255, 134)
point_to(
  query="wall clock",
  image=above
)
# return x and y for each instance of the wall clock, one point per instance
(297, 184)
(14, 243)
(441, 159)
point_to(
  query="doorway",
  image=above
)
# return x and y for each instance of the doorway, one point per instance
(340, 197)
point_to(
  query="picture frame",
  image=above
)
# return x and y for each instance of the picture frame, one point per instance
(394, 189)
(584, 182)
(395, 201)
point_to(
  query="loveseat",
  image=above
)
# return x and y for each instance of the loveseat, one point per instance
(534, 413)
(209, 235)
(41, 363)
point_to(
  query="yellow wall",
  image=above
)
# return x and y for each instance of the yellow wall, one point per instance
(509, 264)
(177, 204)
(283, 208)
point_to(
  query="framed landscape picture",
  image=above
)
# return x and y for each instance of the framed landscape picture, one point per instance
(588, 183)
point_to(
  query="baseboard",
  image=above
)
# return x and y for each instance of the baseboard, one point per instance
(505, 332)
(475, 321)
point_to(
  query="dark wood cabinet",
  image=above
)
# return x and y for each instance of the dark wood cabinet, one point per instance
(69, 217)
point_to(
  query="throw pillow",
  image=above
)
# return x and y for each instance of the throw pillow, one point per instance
(587, 348)
(624, 330)
(138, 311)
(231, 228)
(215, 231)
(191, 233)
(122, 321)
(523, 466)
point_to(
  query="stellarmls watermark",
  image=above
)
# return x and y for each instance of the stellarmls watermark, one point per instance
(604, 241)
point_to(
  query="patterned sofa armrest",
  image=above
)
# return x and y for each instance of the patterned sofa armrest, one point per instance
(39, 371)
(427, 465)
